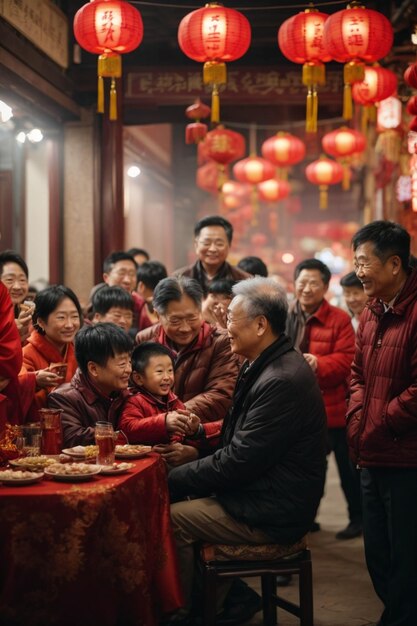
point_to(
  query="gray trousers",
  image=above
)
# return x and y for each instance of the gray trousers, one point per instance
(205, 520)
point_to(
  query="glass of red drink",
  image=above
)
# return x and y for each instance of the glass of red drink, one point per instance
(51, 432)
(106, 441)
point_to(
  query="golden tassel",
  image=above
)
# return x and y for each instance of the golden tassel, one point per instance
(309, 112)
(113, 101)
(100, 95)
(315, 105)
(364, 120)
(215, 105)
(372, 113)
(347, 102)
(323, 197)
(346, 177)
(255, 205)
(214, 73)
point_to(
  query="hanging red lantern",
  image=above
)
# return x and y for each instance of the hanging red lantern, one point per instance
(223, 146)
(207, 178)
(273, 190)
(413, 125)
(412, 105)
(196, 131)
(300, 39)
(341, 144)
(253, 170)
(378, 84)
(355, 35)
(239, 190)
(410, 75)
(108, 28)
(283, 150)
(324, 172)
(213, 35)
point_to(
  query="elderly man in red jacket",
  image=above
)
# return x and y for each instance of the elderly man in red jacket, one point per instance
(325, 336)
(382, 416)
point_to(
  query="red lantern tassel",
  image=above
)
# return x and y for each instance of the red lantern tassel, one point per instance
(100, 95)
(323, 197)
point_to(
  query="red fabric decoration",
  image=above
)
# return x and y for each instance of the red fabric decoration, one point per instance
(273, 190)
(224, 146)
(343, 142)
(410, 75)
(195, 132)
(283, 149)
(324, 172)
(253, 170)
(412, 105)
(379, 84)
(352, 36)
(213, 35)
(300, 39)
(108, 26)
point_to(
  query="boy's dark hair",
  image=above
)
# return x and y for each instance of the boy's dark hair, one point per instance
(150, 273)
(172, 289)
(114, 258)
(388, 239)
(99, 343)
(134, 251)
(142, 354)
(222, 285)
(253, 265)
(351, 280)
(10, 256)
(47, 300)
(214, 220)
(107, 297)
(313, 264)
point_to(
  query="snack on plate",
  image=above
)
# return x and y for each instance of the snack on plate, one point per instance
(15, 475)
(86, 452)
(34, 463)
(129, 449)
(69, 468)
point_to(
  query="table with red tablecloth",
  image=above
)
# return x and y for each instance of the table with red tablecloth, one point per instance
(96, 553)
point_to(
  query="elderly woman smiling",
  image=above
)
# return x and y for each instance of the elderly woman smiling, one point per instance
(48, 357)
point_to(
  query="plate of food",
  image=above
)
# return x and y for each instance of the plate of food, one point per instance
(81, 452)
(130, 451)
(19, 477)
(34, 463)
(116, 468)
(71, 472)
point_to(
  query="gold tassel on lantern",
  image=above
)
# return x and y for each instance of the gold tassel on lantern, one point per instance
(215, 74)
(323, 197)
(346, 176)
(313, 74)
(353, 72)
(109, 66)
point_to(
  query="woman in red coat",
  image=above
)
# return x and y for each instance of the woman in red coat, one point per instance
(48, 357)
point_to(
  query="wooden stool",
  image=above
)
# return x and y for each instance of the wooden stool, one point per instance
(266, 561)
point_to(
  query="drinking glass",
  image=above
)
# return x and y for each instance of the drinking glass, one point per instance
(106, 442)
(28, 441)
(51, 432)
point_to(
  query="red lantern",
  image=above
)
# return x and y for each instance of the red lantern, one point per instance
(324, 172)
(207, 178)
(342, 143)
(355, 35)
(213, 35)
(410, 75)
(283, 150)
(196, 131)
(253, 170)
(108, 28)
(300, 39)
(413, 125)
(224, 146)
(378, 84)
(239, 190)
(273, 190)
(412, 105)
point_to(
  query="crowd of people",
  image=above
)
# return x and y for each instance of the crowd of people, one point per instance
(242, 393)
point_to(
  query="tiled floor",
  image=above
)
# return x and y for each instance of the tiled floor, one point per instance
(343, 593)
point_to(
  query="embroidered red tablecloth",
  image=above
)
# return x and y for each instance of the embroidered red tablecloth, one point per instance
(97, 553)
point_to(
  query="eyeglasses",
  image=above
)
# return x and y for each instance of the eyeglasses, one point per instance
(177, 321)
(219, 244)
(362, 266)
(230, 320)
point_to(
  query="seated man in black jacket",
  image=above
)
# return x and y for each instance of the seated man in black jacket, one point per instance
(265, 481)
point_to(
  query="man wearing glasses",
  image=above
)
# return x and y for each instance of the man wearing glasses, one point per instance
(205, 368)
(382, 416)
(213, 237)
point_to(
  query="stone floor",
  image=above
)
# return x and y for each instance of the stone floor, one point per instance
(343, 593)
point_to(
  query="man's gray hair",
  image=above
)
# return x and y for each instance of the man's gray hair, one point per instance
(264, 296)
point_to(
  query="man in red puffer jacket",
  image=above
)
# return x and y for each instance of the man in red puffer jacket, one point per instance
(325, 336)
(382, 416)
